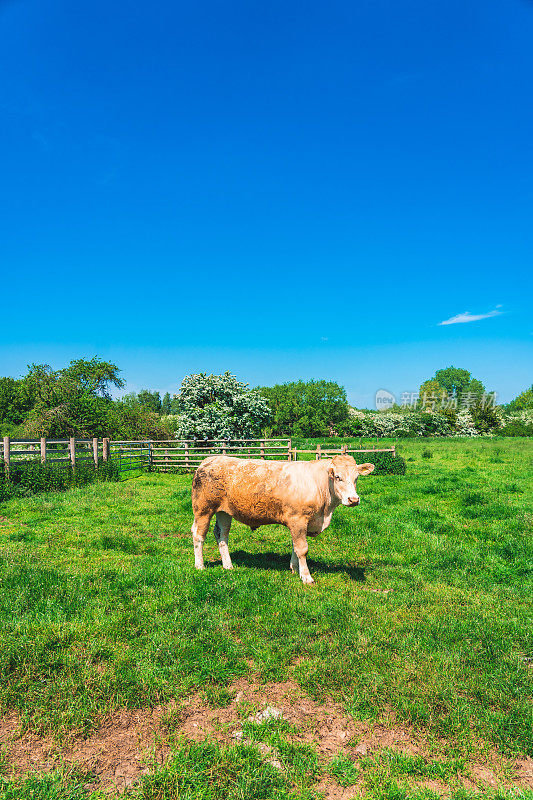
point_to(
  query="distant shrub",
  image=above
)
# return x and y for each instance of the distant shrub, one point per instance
(473, 498)
(32, 477)
(427, 453)
(516, 427)
(386, 463)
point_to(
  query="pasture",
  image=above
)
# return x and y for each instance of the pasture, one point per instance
(405, 672)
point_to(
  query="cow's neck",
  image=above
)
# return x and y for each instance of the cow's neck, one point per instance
(332, 501)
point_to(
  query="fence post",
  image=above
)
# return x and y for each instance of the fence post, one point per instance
(43, 449)
(72, 448)
(295, 454)
(105, 449)
(150, 455)
(318, 454)
(289, 448)
(95, 452)
(7, 455)
(224, 444)
(262, 448)
(187, 456)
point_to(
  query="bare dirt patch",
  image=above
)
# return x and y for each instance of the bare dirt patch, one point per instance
(112, 757)
(434, 786)
(126, 742)
(524, 771)
(332, 791)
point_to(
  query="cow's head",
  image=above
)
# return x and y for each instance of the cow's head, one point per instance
(343, 475)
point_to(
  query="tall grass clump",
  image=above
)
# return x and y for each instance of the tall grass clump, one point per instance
(387, 463)
(33, 477)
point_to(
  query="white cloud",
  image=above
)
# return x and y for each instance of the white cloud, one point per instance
(466, 316)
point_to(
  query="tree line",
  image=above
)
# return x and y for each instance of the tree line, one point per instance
(77, 401)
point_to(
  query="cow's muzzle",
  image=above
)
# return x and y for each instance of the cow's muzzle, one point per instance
(353, 501)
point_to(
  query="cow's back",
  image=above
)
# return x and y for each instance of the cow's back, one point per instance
(257, 492)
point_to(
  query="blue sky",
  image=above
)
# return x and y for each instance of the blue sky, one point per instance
(283, 190)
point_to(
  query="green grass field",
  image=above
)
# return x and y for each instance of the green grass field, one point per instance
(415, 642)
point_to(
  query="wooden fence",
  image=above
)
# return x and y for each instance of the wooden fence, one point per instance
(167, 456)
(345, 450)
(131, 454)
(66, 451)
(161, 456)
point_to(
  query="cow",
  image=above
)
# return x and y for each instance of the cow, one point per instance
(301, 495)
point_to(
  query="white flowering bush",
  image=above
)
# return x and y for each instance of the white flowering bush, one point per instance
(474, 420)
(464, 424)
(354, 415)
(218, 407)
(382, 424)
(408, 423)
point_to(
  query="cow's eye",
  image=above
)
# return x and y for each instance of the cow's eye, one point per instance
(338, 478)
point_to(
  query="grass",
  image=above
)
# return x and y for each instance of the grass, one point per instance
(422, 608)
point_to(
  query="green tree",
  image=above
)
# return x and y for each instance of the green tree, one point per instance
(166, 404)
(431, 394)
(74, 401)
(135, 422)
(82, 416)
(131, 400)
(522, 402)
(484, 416)
(14, 403)
(219, 406)
(40, 386)
(150, 399)
(457, 381)
(307, 408)
(93, 376)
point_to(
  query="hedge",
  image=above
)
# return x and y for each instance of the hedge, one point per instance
(31, 477)
(385, 463)
(515, 428)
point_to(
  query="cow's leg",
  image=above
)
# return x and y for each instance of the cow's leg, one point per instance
(294, 562)
(222, 527)
(300, 548)
(199, 532)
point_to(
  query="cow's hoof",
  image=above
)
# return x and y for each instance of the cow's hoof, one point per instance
(307, 579)
(199, 566)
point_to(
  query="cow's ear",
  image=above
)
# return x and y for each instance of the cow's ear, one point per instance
(365, 469)
(331, 473)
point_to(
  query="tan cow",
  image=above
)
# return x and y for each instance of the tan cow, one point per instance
(299, 494)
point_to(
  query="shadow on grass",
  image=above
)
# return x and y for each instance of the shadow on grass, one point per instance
(280, 563)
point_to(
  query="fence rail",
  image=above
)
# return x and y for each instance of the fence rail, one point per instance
(167, 456)
(345, 450)
(171, 455)
(57, 451)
